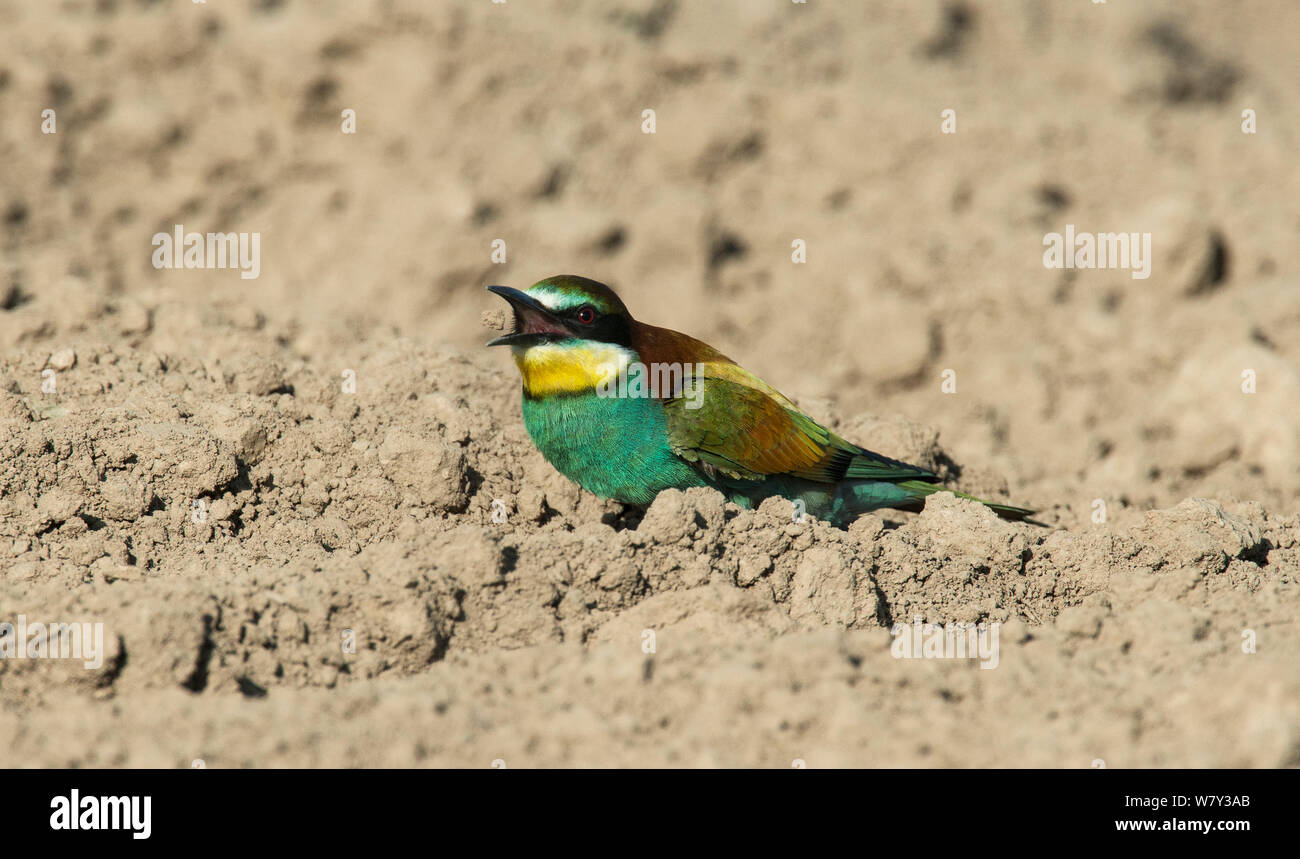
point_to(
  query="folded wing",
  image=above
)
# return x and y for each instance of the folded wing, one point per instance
(747, 430)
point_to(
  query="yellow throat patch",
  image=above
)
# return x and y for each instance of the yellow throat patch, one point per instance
(550, 368)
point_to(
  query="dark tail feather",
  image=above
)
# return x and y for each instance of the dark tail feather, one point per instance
(1006, 511)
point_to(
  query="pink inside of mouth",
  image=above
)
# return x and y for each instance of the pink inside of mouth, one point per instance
(530, 322)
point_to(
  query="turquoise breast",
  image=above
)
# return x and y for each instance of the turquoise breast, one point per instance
(615, 447)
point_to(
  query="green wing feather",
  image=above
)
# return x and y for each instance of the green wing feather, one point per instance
(747, 430)
(742, 427)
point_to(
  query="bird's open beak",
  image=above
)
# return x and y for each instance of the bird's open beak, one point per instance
(533, 322)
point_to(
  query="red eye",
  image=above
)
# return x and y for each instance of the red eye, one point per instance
(586, 315)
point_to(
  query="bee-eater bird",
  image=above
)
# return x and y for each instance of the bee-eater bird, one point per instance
(626, 410)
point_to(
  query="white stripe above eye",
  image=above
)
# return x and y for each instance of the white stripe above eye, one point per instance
(551, 299)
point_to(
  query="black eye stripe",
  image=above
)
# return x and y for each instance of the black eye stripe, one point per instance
(605, 328)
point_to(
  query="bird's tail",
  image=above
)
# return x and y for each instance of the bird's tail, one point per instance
(845, 501)
(921, 490)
